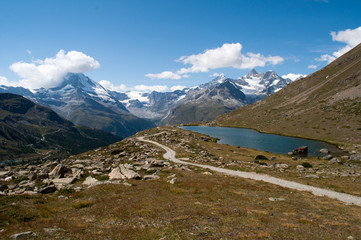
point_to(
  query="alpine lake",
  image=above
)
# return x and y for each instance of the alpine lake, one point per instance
(249, 138)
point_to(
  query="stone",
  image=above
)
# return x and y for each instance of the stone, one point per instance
(150, 177)
(356, 157)
(59, 171)
(324, 151)
(48, 189)
(311, 176)
(280, 165)
(156, 163)
(276, 199)
(90, 180)
(7, 179)
(4, 173)
(52, 230)
(260, 157)
(129, 174)
(273, 158)
(24, 235)
(301, 151)
(116, 174)
(173, 181)
(207, 173)
(345, 157)
(334, 160)
(63, 181)
(300, 168)
(327, 157)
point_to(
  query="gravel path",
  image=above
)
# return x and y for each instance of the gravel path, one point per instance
(346, 198)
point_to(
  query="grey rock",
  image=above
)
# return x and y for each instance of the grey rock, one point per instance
(334, 160)
(128, 173)
(90, 181)
(24, 235)
(116, 174)
(312, 176)
(150, 177)
(173, 181)
(59, 171)
(356, 157)
(4, 173)
(300, 168)
(328, 157)
(324, 151)
(276, 199)
(63, 181)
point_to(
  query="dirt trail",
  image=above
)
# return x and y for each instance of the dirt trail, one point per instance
(346, 198)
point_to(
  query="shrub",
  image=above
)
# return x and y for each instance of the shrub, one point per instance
(306, 165)
(82, 204)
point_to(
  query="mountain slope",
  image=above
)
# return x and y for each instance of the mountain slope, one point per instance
(86, 103)
(325, 105)
(30, 130)
(222, 95)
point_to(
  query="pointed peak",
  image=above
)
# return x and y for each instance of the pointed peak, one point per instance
(252, 73)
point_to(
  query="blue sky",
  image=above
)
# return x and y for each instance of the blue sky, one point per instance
(138, 43)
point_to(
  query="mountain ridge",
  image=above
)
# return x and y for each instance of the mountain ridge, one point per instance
(325, 105)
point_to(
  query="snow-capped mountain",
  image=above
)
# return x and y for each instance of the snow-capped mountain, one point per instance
(203, 102)
(87, 103)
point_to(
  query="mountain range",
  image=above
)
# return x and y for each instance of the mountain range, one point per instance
(29, 130)
(325, 105)
(85, 102)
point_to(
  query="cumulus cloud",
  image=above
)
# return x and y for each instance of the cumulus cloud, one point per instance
(312, 66)
(177, 87)
(165, 75)
(5, 81)
(49, 72)
(138, 88)
(110, 86)
(351, 37)
(293, 76)
(228, 56)
(150, 88)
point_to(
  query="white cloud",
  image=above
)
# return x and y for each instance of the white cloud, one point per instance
(216, 74)
(138, 88)
(351, 37)
(5, 81)
(229, 55)
(110, 86)
(150, 88)
(293, 76)
(312, 66)
(165, 75)
(49, 72)
(177, 87)
(28, 52)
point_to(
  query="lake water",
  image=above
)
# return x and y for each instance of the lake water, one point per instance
(261, 141)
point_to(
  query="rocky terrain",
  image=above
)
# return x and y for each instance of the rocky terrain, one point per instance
(131, 168)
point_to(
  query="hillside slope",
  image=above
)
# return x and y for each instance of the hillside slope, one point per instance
(325, 105)
(28, 130)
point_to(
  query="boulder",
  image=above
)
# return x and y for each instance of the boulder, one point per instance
(59, 171)
(116, 174)
(90, 180)
(150, 177)
(334, 160)
(128, 173)
(173, 181)
(24, 235)
(324, 151)
(63, 181)
(4, 173)
(328, 157)
(301, 151)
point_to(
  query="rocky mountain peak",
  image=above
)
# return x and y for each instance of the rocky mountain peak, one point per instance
(252, 73)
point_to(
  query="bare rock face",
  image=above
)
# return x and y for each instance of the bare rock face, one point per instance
(90, 180)
(24, 235)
